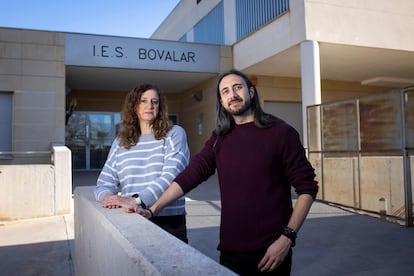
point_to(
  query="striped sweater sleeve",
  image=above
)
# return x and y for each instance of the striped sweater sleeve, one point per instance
(176, 158)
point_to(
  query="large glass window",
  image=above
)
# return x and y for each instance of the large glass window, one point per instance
(210, 29)
(251, 15)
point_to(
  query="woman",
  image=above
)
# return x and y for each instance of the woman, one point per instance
(146, 156)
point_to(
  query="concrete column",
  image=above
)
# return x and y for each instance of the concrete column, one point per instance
(311, 80)
(62, 161)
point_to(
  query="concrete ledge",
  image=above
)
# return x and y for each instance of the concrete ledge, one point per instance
(112, 242)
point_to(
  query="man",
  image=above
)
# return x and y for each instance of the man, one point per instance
(258, 158)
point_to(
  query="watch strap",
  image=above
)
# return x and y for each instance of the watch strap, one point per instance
(290, 233)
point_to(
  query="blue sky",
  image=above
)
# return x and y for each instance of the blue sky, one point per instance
(133, 18)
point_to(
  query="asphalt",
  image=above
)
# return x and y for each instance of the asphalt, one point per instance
(332, 241)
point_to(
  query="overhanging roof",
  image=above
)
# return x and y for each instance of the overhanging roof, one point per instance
(368, 66)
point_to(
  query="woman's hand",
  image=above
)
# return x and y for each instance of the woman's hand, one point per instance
(114, 201)
(111, 201)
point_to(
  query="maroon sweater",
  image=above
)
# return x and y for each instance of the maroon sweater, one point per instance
(256, 168)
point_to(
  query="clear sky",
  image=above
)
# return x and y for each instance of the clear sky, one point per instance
(133, 18)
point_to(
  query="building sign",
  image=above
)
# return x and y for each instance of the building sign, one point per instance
(136, 53)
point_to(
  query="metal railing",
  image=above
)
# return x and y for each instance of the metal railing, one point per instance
(25, 157)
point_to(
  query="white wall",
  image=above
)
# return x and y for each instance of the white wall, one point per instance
(370, 23)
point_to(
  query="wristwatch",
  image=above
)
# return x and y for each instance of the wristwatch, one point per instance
(290, 233)
(139, 202)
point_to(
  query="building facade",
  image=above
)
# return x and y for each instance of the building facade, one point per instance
(305, 51)
(68, 89)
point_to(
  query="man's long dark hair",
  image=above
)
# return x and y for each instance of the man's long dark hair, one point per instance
(225, 121)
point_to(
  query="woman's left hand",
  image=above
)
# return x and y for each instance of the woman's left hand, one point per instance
(111, 201)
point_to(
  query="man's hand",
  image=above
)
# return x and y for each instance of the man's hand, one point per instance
(275, 254)
(146, 213)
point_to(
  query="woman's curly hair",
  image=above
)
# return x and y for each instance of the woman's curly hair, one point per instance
(129, 129)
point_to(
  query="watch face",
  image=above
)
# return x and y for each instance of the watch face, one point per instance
(289, 232)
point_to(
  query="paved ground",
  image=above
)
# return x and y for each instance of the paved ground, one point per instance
(331, 242)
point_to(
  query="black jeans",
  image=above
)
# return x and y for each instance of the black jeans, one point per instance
(246, 263)
(175, 225)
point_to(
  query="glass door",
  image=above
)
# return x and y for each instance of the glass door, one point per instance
(89, 136)
(101, 133)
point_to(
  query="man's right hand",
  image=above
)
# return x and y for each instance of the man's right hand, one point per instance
(146, 213)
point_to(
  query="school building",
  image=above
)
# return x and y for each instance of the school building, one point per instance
(63, 92)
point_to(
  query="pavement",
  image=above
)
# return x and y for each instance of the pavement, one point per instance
(332, 241)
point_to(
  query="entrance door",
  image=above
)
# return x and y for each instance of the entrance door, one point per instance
(89, 135)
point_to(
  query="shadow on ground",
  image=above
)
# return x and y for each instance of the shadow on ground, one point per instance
(32, 259)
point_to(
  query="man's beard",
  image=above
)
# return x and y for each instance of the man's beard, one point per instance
(239, 111)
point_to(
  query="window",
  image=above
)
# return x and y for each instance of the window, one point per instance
(210, 29)
(252, 15)
(6, 104)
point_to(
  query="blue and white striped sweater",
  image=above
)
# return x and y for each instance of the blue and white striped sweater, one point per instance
(147, 168)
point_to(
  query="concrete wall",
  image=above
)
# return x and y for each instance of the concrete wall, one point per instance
(112, 242)
(26, 191)
(32, 68)
(375, 23)
(33, 190)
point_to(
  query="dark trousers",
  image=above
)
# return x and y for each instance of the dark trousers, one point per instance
(246, 263)
(175, 225)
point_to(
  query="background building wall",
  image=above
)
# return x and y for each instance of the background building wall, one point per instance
(33, 69)
(181, 20)
(287, 89)
(96, 100)
(198, 117)
(375, 23)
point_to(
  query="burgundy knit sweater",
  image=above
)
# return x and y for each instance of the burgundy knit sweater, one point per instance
(256, 168)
